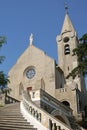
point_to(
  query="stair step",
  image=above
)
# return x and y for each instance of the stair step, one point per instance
(21, 119)
(6, 124)
(15, 117)
(16, 126)
(10, 128)
(9, 114)
(12, 110)
(15, 121)
(12, 119)
(20, 116)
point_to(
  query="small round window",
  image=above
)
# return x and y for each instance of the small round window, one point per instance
(30, 73)
(66, 39)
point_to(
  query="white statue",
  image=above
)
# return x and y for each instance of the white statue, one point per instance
(31, 39)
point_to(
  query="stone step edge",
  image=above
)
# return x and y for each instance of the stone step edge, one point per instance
(2, 128)
(16, 126)
(13, 121)
(17, 123)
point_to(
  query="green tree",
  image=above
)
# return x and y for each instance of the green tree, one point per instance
(81, 52)
(3, 77)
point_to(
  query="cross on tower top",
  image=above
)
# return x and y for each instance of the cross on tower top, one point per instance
(66, 8)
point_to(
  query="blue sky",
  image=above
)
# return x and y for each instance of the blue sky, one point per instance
(43, 18)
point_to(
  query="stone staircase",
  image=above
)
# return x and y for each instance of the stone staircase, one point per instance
(11, 118)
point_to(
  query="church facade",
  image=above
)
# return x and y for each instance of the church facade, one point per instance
(35, 70)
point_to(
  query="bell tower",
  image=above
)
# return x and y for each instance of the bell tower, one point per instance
(66, 42)
(71, 94)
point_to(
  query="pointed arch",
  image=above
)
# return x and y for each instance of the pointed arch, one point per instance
(21, 88)
(42, 84)
(60, 116)
(66, 49)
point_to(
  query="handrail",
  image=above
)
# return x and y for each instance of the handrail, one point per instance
(45, 119)
(9, 99)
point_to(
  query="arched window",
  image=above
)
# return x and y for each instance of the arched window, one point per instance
(66, 49)
(66, 103)
(21, 88)
(42, 84)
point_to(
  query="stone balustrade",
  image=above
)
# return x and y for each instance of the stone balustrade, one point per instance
(9, 99)
(32, 111)
(62, 90)
(45, 119)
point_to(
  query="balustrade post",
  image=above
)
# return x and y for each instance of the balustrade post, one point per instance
(36, 114)
(53, 126)
(30, 109)
(39, 117)
(27, 107)
(33, 112)
(58, 128)
(50, 124)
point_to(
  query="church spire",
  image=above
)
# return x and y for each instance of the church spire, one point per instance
(67, 25)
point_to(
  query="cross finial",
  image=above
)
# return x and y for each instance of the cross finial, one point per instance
(66, 8)
(31, 39)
